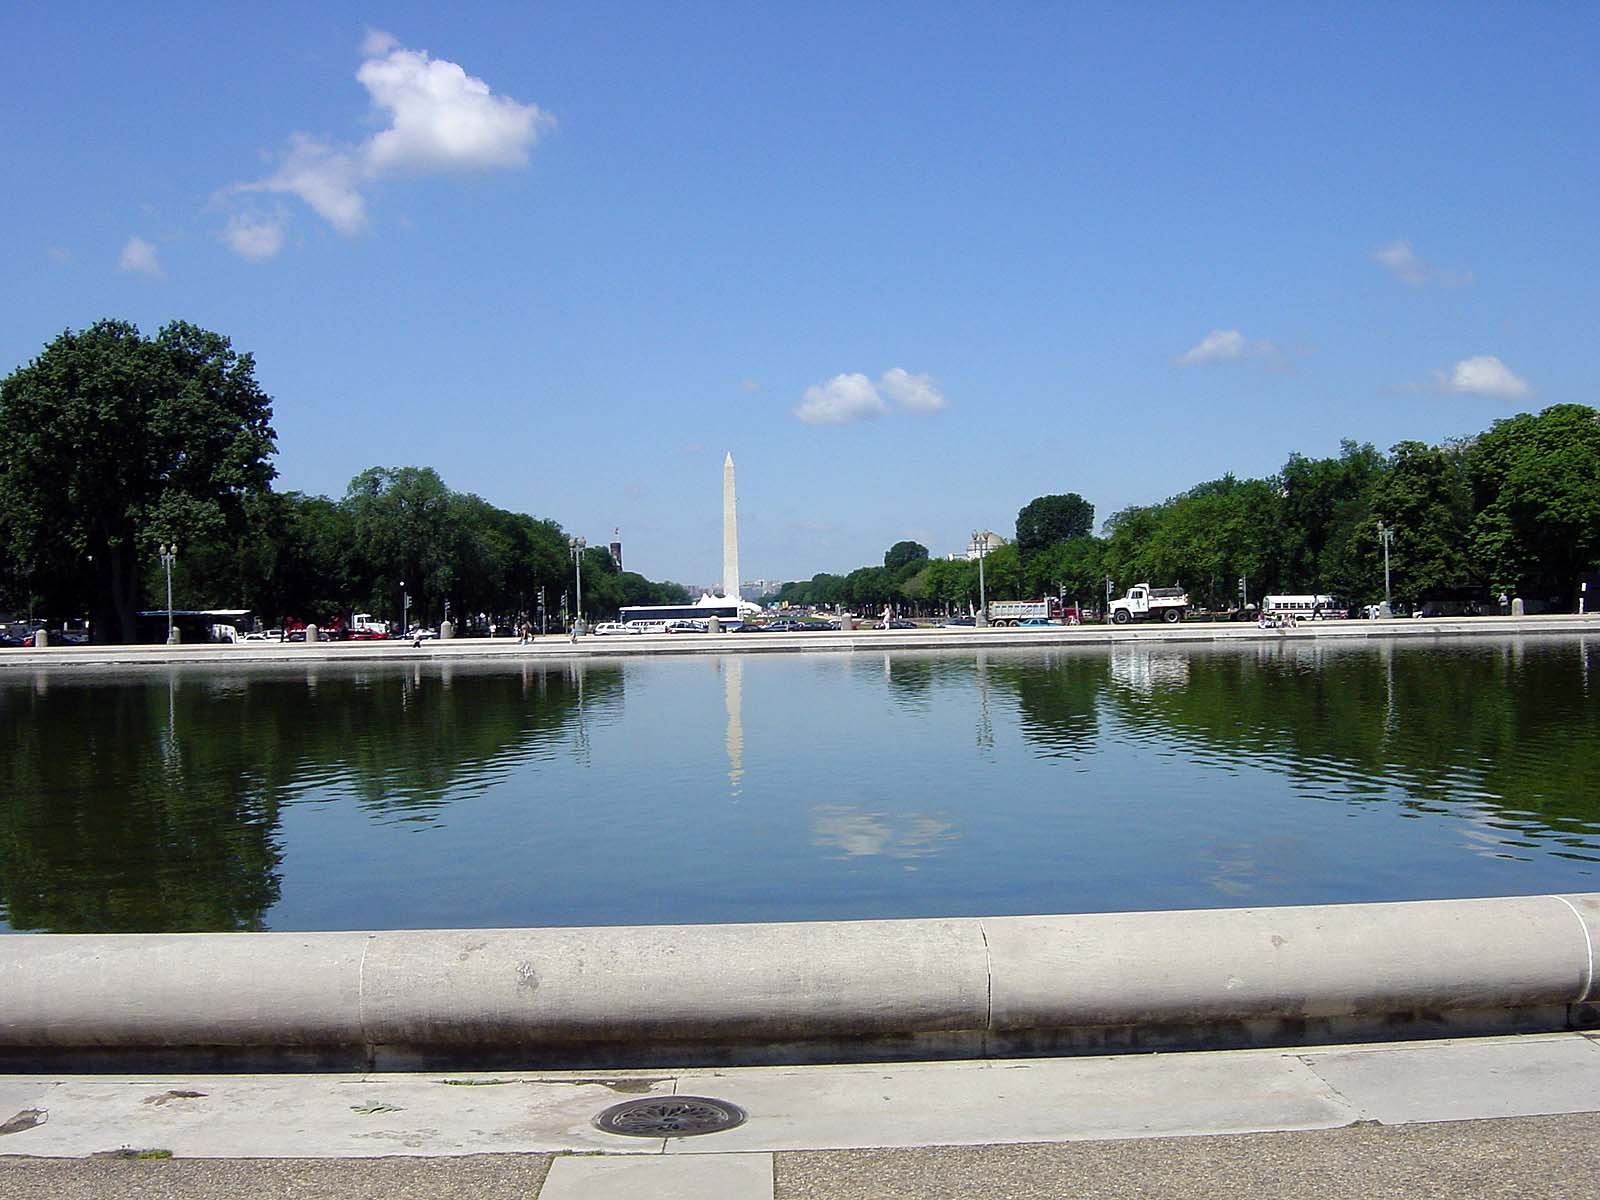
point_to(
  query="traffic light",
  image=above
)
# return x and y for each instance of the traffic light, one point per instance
(1244, 591)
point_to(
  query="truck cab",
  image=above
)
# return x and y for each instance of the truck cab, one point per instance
(1144, 603)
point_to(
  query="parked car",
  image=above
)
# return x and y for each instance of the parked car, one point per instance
(266, 635)
(967, 621)
(788, 626)
(1036, 623)
(368, 635)
(605, 628)
(421, 633)
(902, 623)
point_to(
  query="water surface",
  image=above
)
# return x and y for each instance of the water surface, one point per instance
(788, 787)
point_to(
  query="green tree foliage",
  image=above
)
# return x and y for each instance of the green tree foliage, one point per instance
(1075, 567)
(1327, 502)
(110, 443)
(1046, 520)
(905, 559)
(1535, 487)
(1424, 496)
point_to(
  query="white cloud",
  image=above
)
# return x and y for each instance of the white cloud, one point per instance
(1484, 375)
(140, 255)
(325, 177)
(377, 43)
(442, 119)
(1401, 261)
(841, 401)
(438, 119)
(1225, 345)
(914, 393)
(256, 238)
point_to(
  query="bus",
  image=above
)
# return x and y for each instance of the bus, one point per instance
(657, 618)
(1303, 608)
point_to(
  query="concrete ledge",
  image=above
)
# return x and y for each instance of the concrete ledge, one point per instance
(553, 648)
(778, 993)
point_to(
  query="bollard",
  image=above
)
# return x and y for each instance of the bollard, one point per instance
(446, 631)
(41, 638)
(1516, 607)
(313, 634)
(713, 625)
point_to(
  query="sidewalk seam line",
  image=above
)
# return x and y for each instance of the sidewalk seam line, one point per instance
(1588, 944)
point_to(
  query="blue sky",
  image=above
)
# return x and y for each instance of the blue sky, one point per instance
(912, 265)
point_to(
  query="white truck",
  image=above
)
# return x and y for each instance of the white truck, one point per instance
(363, 623)
(1012, 612)
(1145, 603)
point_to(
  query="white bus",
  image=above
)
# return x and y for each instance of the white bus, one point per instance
(1302, 608)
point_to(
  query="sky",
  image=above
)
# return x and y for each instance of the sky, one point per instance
(912, 265)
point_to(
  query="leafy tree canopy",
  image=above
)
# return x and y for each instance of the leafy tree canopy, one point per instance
(111, 443)
(1049, 519)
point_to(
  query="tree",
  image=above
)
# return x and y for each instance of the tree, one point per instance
(111, 443)
(1049, 519)
(1424, 497)
(1536, 490)
(904, 559)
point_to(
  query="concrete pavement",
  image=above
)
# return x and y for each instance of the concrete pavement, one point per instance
(557, 646)
(1470, 1117)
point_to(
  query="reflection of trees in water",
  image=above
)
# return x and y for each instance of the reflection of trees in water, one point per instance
(154, 804)
(1505, 723)
(1057, 697)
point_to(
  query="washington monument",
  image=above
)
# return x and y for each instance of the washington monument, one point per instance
(730, 532)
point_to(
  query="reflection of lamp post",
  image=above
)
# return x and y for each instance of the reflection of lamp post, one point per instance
(578, 545)
(168, 553)
(1386, 536)
(980, 543)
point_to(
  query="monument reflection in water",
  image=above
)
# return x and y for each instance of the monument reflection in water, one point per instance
(809, 786)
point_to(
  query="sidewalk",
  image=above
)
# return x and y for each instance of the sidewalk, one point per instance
(1450, 1118)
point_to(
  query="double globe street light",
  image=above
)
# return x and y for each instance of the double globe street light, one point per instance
(169, 554)
(578, 545)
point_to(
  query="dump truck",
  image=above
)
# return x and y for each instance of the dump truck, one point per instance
(1145, 603)
(1010, 612)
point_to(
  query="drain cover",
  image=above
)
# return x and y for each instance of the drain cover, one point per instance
(670, 1116)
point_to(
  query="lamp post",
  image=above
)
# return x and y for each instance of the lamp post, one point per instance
(1386, 536)
(980, 543)
(578, 545)
(169, 552)
(405, 610)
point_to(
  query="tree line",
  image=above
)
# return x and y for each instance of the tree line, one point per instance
(113, 444)
(1514, 510)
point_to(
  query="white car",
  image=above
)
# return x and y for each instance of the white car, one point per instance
(422, 633)
(607, 627)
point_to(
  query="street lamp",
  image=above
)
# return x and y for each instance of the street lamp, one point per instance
(169, 552)
(980, 543)
(405, 610)
(578, 546)
(1386, 536)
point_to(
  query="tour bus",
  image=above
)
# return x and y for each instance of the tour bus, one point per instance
(1302, 608)
(673, 618)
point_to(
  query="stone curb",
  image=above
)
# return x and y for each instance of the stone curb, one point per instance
(554, 647)
(800, 992)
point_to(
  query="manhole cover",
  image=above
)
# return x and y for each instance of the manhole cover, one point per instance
(670, 1116)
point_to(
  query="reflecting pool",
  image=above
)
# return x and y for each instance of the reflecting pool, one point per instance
(790, 787)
